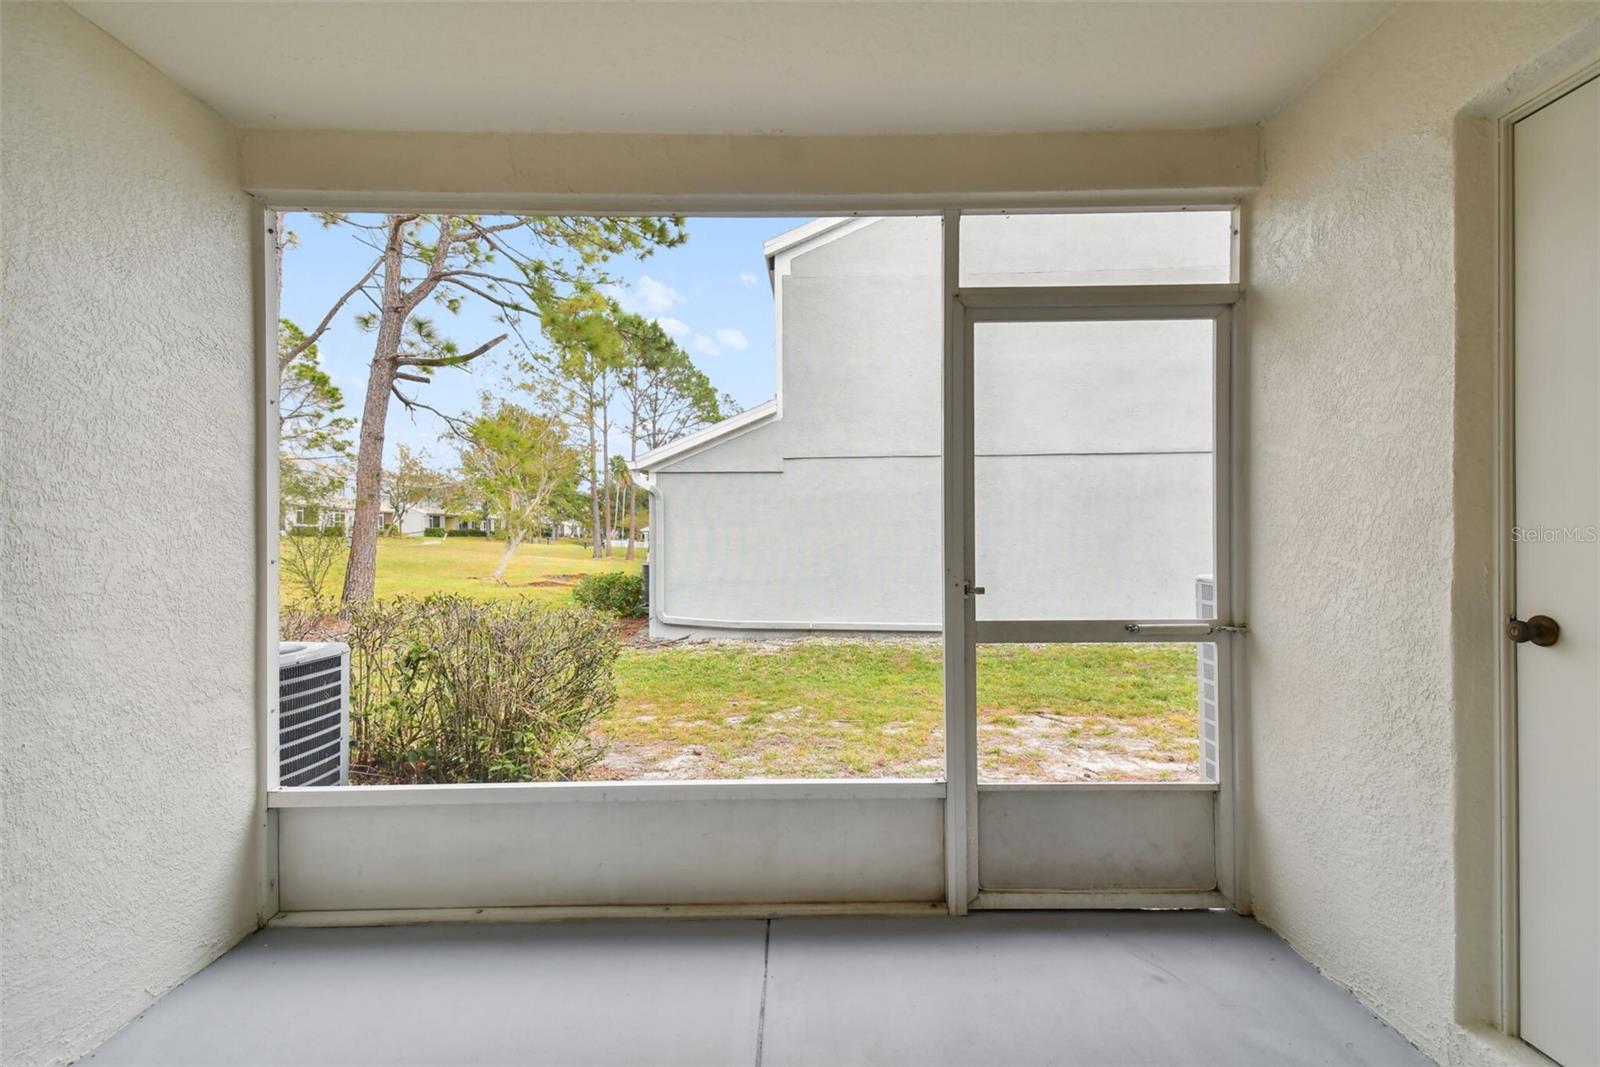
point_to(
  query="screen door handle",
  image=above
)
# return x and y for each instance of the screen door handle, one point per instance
(1542, 630)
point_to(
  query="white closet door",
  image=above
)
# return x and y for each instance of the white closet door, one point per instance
(1557, 226)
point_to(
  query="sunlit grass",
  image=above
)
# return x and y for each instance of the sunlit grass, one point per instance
(417, 566)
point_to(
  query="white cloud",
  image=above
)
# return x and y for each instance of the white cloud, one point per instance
(674, 327)
(657, 296)
(720, 341)
(647, 295)
(749, 279)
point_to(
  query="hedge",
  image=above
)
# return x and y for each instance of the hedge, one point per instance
(615, 592)
(316, 531)
(449, 689)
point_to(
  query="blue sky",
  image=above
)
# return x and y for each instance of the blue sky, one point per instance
(711, 293)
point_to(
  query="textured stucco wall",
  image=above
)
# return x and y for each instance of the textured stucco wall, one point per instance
(126, 458)
(1370, 483)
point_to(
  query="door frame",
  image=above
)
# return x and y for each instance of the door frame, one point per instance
(964, 308)
(1508, 977)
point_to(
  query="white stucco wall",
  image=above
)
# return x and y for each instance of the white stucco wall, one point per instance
(1094, 487)
(1370, 480)
(126, 459)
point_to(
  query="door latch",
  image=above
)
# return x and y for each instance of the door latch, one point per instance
(1185, 629)
(971, 590)
(1541, 630)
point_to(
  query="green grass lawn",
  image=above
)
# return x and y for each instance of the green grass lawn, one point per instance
(417, 566)
(821, 708)
(832, 708)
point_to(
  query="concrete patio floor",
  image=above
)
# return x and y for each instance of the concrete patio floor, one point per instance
(993, 988)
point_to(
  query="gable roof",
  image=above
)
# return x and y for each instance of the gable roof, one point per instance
(808, 235)
(785, 245)
(702, 439)
(800, 234)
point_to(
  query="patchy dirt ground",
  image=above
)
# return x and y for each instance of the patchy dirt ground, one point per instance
(1054, 748)
(830, 707)
(1027, 755)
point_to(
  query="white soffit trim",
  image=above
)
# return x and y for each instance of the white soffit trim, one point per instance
(808, 236)
(804, 232)
(684, 447)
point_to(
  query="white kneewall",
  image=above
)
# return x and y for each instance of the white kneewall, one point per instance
(1370, 486)
(127, 463)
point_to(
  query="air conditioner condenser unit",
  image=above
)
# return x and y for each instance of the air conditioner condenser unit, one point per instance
(313, 713)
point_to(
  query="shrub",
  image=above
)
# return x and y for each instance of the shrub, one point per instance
(616, 592)
(448, 689)
(465, 533)
(434, 531)
(309, 560)
(305, 620)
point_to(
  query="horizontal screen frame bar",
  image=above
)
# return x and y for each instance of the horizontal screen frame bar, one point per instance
(1064, 302)
(1098, 631)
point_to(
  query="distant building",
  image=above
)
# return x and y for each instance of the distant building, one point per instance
(821, 508)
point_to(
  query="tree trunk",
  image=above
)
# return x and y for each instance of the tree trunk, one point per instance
(605, 517)
(605, 465)
(633, 457)
(513, 542)
(361, 574)
(595, 489)
(633, 518)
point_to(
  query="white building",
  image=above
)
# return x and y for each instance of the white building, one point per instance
(418, 519)
(820, 509)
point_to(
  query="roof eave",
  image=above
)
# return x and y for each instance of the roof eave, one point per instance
(700, 440)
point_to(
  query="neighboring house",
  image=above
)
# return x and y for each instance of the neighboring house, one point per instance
(820, 509)
(430, 515)
(419, 518)
(566, 528)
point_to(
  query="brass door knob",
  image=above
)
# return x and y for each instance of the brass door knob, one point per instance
(1542, 630)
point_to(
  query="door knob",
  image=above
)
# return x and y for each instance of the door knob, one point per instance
(1542, 630)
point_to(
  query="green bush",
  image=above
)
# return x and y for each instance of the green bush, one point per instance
(449, 689)
(616, 592)
(465, 533)
(434, 531)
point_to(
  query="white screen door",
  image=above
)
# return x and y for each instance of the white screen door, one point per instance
(1557, 501)
(1092, 646)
